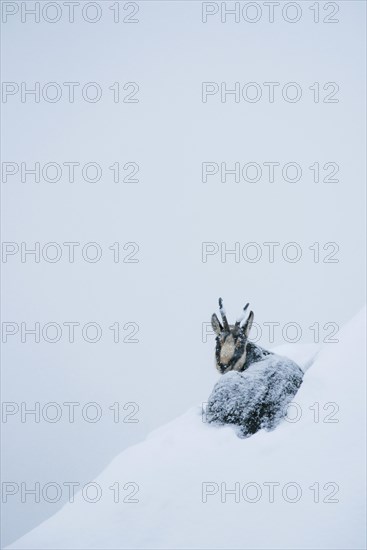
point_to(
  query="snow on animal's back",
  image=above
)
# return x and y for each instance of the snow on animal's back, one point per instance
(181, 468)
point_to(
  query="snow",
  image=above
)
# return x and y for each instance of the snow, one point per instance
(256, 398)
(180, 469)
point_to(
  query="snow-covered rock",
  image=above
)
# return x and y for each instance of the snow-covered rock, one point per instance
(197, 485)
(257, 397)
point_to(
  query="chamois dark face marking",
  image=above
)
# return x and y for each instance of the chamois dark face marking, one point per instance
(231, 340)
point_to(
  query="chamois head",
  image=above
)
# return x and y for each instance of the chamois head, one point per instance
(230, 352)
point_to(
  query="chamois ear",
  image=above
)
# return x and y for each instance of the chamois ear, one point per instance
(217, 327)
(247, 326)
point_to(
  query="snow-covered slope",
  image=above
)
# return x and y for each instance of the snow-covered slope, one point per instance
(314, 467)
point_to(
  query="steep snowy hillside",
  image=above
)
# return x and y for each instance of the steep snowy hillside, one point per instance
(193, 485)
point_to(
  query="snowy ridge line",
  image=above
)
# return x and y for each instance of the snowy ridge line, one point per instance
(174, 462)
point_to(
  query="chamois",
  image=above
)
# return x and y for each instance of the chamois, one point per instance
(257, 385)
